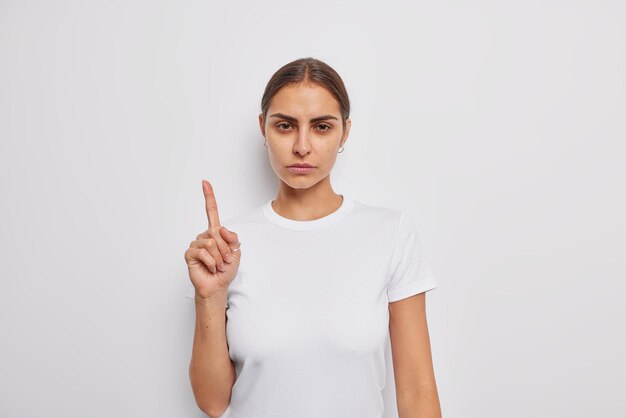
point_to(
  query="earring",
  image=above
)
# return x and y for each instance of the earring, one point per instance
(265, 144)
(340, 149)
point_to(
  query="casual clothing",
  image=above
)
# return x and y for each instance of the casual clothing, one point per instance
(307, 318)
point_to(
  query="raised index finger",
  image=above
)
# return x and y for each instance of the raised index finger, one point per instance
(211, 204)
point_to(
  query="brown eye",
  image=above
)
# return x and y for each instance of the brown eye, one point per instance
(282, 124)
(327, 127)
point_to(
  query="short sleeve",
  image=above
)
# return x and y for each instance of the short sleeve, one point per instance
(410, 269)
(190, 292)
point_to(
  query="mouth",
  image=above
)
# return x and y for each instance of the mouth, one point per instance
(300, 168)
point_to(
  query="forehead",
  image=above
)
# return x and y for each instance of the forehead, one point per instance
(304, 99)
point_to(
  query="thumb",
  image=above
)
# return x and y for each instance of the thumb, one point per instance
(229, 236)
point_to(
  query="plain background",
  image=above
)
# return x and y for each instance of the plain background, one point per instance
(499, 125)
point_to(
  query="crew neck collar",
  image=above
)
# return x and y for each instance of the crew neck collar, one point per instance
(294, 225)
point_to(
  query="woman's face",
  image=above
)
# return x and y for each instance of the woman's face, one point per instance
(303, 125)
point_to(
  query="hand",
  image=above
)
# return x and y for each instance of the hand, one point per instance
(211, 250)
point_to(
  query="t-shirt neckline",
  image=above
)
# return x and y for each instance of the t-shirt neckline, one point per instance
(295, 225)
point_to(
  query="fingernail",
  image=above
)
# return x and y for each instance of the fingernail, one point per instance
(221, 267)
(228, 258)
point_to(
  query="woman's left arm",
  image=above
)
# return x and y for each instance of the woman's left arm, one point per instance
(416, 389)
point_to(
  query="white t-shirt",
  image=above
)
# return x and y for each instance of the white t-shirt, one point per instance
(308, 319)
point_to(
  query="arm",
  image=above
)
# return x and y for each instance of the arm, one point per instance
(416, 389)
(211, 371)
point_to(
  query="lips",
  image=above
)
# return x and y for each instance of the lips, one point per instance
(300, 169)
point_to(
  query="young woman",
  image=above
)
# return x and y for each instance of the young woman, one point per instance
(298, 326)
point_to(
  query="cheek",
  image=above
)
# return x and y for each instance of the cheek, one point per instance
(326, 160)
(279, 153)
(280, 150)
(330, 151)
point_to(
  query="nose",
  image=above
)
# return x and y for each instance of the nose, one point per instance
(302, 145)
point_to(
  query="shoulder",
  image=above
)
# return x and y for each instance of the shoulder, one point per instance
(375, 211)
(377, 215)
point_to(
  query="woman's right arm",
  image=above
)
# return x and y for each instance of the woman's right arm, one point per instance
(211, 370)
(213, 260)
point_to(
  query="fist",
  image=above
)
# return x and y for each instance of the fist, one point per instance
(213, 257)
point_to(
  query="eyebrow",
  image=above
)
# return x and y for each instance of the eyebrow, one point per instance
(292, 119)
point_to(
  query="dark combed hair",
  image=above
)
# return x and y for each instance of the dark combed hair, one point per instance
(308, 70)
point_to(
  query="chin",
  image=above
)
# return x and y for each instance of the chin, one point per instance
(299, 181)
(299, 184)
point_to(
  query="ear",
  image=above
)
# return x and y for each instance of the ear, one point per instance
(262, 124)
(346, 132)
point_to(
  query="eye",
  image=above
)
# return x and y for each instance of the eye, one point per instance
(323, 125)
(281, 125)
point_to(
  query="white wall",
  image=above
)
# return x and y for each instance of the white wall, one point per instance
(499, 124)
